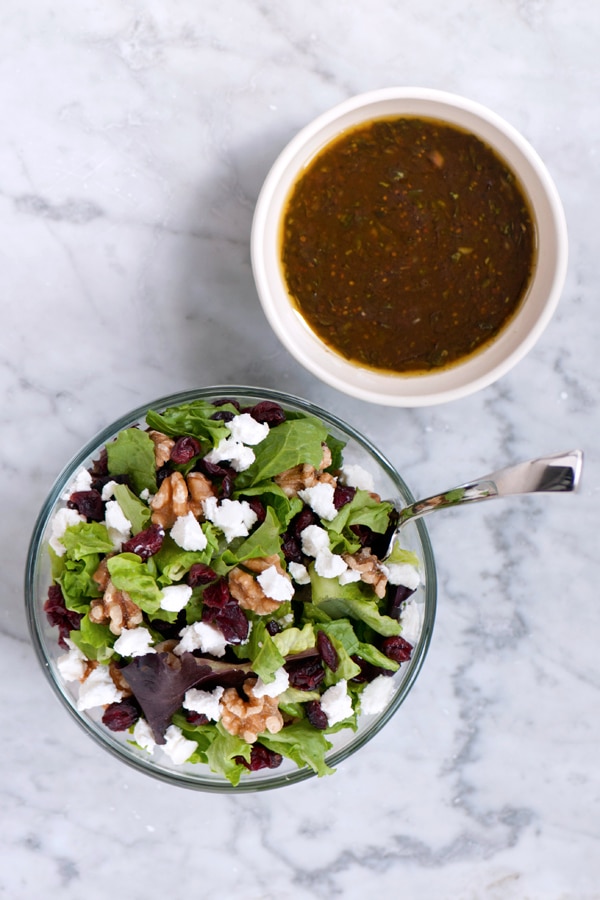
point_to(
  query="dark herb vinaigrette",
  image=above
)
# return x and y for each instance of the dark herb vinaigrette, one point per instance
(407, 244)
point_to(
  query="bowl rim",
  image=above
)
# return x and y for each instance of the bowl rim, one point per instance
(102, 736)
(520, 334)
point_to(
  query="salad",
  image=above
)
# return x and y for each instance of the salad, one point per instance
(224, 588)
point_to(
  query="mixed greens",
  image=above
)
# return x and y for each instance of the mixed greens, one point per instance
(224, 587)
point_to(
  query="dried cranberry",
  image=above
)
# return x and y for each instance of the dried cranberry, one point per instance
(196, 718)
(229, 619)
(343, 495)
(184, 450)
(170, 630)
(257, 507)
(364, 534)
(217, 595)
(200, 574)
(66, 620)
(162, 473)
(273, 627)
(315, 715)
(306, 674)
(291, 549)
(368, 671)
(397, 648)
(227, 486)
(268, 412)
(223, 415)
(88, 504)
(398, 594)
(303, 520)
(215, 470)
(122, 715)
(99, 467)
(145, 543)
(260, 758)
(327, 651)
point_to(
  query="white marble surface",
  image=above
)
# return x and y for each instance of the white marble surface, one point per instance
(135, 136)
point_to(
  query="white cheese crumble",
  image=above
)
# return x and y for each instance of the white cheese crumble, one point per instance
(207, 703)
(299, 573)
(234, 452)
(108, 491)
(376, 695)
(320, 500)
(142, 735)
(275, 585)
(117, 524)
(348, 576)
(201, 636)
(176, 746)
(98, 689)
(134, 642)
(187, 533)
(233, 517)
(329, 565)
(272, 688)
(247, 430)
(81, 482)
(357, 477)
(63, 519)
(174, 597)
(336, 703)
(73, 663)
(402, 573)
(314, 539)
(411, 619)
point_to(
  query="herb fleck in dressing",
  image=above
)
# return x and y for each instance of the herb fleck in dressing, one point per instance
(407, 244)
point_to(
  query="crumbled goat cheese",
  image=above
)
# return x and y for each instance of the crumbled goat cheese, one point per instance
(401, 573)
(134, 642)
(108, 491)
(187, 533)
(299, 573)
(348, 576)
(98, 689)
(233, 517)
(72, 665)
(174, 597)
(81, 482)
(117, 524)
(206, 703)
(357, 477)
(146, 495)
(376, 695)
(234, 452)
(176, 746)
(201, 636)
(272, 688)
(275, 586)
(329, 565)
(247, 430)
(336, 703)
(314, 539)
(63, 519)
(411, 619)
(142, 735)
(320, 500)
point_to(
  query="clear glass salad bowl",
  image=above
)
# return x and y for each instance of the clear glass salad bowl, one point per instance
(357, 451)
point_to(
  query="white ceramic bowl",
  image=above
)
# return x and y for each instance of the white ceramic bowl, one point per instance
(497, 357)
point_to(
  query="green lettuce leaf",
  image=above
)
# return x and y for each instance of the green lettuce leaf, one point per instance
(301, 743)
(272, 496)
(95, 641)
(77, 584)
(268, 659)
(222, 751)
(341, 634)
(354, 601)
(374, 656)
(173, 562)
(362, 510)
(86, 538)
(400, 556)
(132, 454)
(295, 640)
(133, 508)
(128, 573)
(193, 419)
(293, 442)
(264, 541)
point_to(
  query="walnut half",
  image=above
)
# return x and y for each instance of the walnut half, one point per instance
(244, 587)
(249, 718)
(369, 570)
(115, 609)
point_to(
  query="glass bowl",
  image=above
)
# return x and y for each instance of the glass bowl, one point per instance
(388, 484)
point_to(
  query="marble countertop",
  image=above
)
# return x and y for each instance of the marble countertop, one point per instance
(135, 138)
